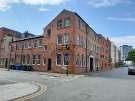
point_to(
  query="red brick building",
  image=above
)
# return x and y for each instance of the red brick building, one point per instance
(68, 44)
(6, 36)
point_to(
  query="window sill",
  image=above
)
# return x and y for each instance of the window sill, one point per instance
(58, 65)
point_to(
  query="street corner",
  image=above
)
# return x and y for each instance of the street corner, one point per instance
(41, 89)
(21, 91)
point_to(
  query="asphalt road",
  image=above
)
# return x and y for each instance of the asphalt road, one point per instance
(112, 85)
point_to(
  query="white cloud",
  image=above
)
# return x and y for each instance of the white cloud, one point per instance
(43, 2)
(6, 4)
(129, 19)
(42, 9)
(106, 3)
(129, 40)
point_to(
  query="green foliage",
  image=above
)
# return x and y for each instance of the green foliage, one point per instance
(131, 56)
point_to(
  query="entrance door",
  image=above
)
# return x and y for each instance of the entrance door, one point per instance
(91, 64)
(49, 64)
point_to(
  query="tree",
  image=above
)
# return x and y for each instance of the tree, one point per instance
(131, 56)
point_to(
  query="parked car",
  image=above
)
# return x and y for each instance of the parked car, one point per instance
(131, 70)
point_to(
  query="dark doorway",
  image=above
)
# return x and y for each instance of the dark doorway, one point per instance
(49, 64)
(91, 64)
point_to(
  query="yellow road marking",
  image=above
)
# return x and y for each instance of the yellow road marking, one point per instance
(42, 89)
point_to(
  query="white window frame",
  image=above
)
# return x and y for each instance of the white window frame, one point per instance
(56, 59)
(64, 59)
(58, 40)
(38, 59)
(33, 60)
(66, 38)
(69, 22)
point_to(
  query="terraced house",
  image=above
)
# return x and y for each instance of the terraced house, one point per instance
(68, 44)
(6, 36)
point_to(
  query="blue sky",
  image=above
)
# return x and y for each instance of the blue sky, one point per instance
(113, 18)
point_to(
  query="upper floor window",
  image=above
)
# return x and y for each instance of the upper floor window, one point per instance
(49, 32)
(40, 42)
(35, 43)
(45, 47)
(17, 46)
(66, 38)
(59, 24)
(29, 44)
(22, 45)
(67, 22)
(26, 44)
(59, 39)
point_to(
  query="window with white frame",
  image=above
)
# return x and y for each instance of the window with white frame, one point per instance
(29, 44)
(59, 24)
(59, 39)
(66, 59)
(26, 44)
(38, 59)
(40, 42)
(66, 38)
(59, 59)
(35, 44)
(28, 59)
(33, 59)
(67, 22)
(77, 59)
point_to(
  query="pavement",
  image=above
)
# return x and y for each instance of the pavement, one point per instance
(13, 91)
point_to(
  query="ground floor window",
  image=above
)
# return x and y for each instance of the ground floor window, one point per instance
(58, 59)
(77, 59)
(66, 59)
(38, 59)
(33, 59)
(28, 59)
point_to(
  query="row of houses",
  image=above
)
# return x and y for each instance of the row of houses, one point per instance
(68, 43)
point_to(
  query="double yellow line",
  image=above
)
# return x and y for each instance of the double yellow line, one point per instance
(42, 89)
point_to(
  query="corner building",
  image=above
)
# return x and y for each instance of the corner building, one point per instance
(68, 44)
